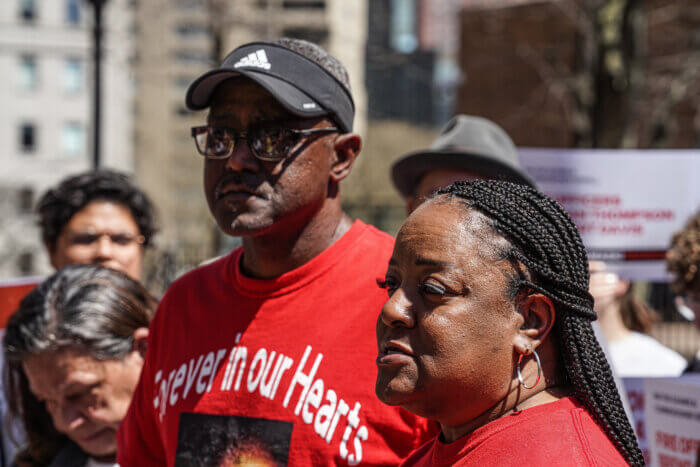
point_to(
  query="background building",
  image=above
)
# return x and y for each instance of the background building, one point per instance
(174, 46)
(573, 73)
(45, 90)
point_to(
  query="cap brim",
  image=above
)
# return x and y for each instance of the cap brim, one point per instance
(407, 172)
(295, 101)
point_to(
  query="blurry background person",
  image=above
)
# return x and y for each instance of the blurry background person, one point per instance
(74, 351)
(487, 330)
(626, 322)
(683, 261)
(97, 217)
(468, 148)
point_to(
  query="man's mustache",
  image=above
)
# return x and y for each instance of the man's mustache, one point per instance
(246, 179)
(243, 181)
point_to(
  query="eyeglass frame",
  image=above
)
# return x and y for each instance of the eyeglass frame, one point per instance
(237, 135)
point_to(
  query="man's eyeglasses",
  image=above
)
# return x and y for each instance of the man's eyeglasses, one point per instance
(268, 143)
(88, 238)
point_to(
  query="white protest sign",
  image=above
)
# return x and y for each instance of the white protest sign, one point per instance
(672, 420)
(626, 203)
(634, 387)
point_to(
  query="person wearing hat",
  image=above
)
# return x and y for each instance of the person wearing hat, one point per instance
(266, 356)
(468, 148)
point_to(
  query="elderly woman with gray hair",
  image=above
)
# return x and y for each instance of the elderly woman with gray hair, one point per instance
(74, 352)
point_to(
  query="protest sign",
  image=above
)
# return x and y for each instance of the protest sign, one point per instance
(625, 203)
(672, 420)
(634, 389)
(12, 292)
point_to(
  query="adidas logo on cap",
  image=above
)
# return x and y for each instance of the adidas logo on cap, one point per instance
(256, 59)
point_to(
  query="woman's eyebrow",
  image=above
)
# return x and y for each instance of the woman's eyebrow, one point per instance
(422, 261)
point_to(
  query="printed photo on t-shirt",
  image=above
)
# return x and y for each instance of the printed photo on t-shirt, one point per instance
(226, 440)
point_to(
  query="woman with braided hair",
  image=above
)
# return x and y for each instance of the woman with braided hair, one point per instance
(487, 330)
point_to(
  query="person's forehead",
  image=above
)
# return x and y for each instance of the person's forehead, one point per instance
(103, 214)
(56, 371)
(240, 97)
(446, 228)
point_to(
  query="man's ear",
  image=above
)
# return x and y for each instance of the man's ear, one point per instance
(347, 147)
(140, 341)
(538, 314)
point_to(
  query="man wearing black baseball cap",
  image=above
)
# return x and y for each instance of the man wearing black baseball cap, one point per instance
(267, 356)
(468, 148)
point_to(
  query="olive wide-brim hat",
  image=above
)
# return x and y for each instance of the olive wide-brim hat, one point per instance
(469, 143)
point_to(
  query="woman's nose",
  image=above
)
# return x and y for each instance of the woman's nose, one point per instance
(397, 311)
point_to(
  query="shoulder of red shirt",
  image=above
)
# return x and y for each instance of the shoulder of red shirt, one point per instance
(528, 437)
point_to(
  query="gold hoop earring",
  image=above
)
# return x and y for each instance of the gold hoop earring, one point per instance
(539, 370)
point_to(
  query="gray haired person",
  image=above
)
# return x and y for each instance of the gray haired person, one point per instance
(74, 350)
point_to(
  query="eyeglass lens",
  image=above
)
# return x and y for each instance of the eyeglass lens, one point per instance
(265, 142)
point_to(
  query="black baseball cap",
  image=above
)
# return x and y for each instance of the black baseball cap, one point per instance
(301, 85)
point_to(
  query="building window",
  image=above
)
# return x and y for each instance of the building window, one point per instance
(27, 138)
(403, 26)
(25, 201)
(191, 29)
(73, 12)
(27, 10)
(25, 263)
(189, 4)
(193, 56)
(73, 75)
(73, 139)
(27, 72)
(304, 4)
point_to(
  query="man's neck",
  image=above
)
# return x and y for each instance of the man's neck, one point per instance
(271, 255)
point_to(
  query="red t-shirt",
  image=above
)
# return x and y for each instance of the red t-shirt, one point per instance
(558, 433)
(270, 371)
